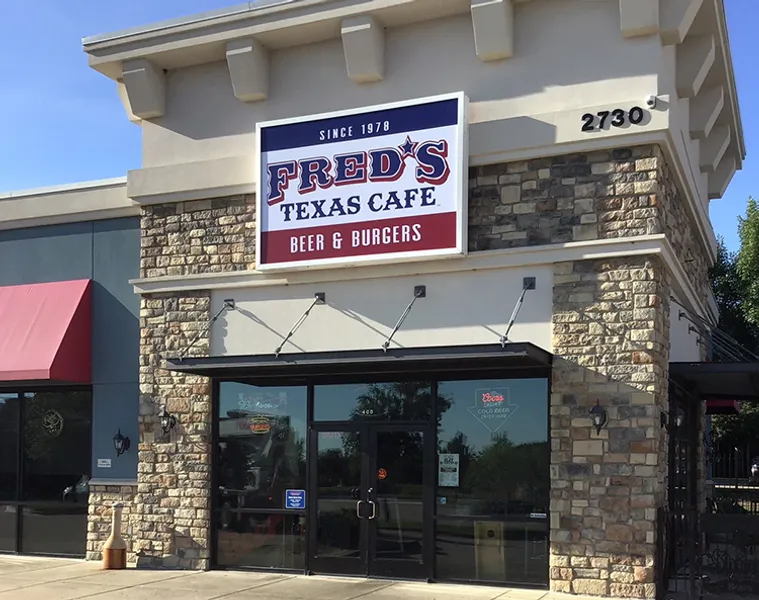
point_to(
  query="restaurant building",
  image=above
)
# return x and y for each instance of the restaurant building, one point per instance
(411, 279)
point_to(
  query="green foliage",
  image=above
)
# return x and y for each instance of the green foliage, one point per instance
(748, 261)
(735, 280)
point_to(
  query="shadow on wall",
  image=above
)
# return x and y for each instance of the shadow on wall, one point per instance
(362, 314)
(421, 60)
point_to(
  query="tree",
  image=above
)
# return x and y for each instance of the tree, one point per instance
(731, 297)
(735, 281)
(748, 261)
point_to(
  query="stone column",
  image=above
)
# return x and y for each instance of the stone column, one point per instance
(611, 341)
(172, 513)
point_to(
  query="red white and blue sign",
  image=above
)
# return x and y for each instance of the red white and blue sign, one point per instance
(385, 183)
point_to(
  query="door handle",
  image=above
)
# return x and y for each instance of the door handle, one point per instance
(374, 510)
(358, 509)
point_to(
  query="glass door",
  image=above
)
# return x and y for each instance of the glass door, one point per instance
(373, 491)
(401, 491)
(339, 482)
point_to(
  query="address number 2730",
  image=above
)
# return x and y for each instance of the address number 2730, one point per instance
(614, 118)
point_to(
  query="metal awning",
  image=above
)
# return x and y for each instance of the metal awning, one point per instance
(491, 357)
(736, 382)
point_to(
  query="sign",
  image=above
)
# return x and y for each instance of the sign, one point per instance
(295, 499)
(384, 183)
(259, 425)
(382, 474)
(492, 407)
(448, 470)
(104, 463)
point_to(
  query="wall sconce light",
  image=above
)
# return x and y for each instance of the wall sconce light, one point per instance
(168, 421)
(599, 416)
(669, 425)
(120, 443)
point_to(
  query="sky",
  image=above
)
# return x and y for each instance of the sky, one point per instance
(62, 122)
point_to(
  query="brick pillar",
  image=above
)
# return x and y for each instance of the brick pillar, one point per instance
(611, 341)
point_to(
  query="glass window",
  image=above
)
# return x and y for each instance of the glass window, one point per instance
(261, 540)
(398, 401)
(9, 408)
(493, 480)
(57, 457)
(57, 446)
(262, 444)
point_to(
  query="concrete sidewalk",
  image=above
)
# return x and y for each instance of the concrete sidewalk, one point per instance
(30, 578)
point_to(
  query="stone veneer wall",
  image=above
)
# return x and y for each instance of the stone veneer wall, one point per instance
(611, 340)
(204, 236)
(611, 337)
(172, 516)
(101, 499)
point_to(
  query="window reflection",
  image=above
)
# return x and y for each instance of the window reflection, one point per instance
(9, 407)
(493, 479)
(57, 446)
(265, 540)
(397, 401)
(262, 448)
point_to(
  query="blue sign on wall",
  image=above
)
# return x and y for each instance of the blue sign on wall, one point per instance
(295, 499)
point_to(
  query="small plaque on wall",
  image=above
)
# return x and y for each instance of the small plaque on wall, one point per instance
(104, 463)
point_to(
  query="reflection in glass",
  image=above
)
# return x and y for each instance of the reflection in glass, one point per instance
(7, 528)
(57, 448)
(262, 450)
(54, 528)
(338, 489)
(399, 401)
(9, 407)
(493, 477)
(400, 495)
(262, 540)
(493, 550)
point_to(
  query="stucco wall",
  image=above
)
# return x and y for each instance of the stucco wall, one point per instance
(570, 55)
(108, 253)
(459, 309)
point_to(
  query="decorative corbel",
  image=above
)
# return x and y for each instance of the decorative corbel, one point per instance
(248, 64)
(145, 86)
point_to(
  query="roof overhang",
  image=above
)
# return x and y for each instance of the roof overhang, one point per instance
(733, 382)
(275, 24)
(526, 358)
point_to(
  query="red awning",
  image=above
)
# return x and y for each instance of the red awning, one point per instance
(46, 332)
(722, 406)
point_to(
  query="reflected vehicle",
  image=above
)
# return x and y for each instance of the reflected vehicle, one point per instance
(79, 492)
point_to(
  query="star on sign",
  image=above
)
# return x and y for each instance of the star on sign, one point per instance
(408, 148)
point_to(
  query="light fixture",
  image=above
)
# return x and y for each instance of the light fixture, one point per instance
(120, 443)
(672, 426)
(599, 416)
(168, 421)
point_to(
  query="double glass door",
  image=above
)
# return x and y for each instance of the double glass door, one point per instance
(372, 502)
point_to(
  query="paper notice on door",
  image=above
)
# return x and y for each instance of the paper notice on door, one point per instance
(448, 470)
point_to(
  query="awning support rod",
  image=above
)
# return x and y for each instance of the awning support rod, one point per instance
(528, 283)
(319, 298)
(227, 305)
(420, 291)
(715, 330)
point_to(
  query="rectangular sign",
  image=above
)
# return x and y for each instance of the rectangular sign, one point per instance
(295, 499)
(104, 463)
(448, 470)
(363, 186)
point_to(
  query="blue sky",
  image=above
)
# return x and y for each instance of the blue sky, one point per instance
(62, 122)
